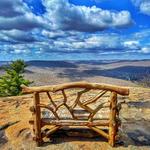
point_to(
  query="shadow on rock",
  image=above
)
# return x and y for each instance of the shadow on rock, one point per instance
(140, 104)
(137, 132)
(3, 138)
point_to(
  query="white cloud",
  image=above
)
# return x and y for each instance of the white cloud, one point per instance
(95, 42)
(73, 42)
(54, 34)
(25, 22)
(63, 15)
(143, 5)
(103, 40)
(146, 49)
(142, 34)
(15, 48)
(16, 36)
(20, 51)
(90, 42)
(11, 8)
(132, 44)
(14, 14)
(66, 28)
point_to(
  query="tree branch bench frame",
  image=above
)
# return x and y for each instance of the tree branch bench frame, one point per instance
(112, 123)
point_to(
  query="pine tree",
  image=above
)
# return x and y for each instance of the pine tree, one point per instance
(11, 81)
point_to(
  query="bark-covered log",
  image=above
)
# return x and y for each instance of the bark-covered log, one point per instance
(53, 88)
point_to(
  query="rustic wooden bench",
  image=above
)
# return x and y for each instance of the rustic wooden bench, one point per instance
(91, 105)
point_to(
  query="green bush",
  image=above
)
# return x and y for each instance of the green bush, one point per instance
(11, 81)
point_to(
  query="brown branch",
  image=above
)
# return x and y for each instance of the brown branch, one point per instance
(99, 131)
(90, 118)
(37, 119)
(77, 101)
(53, 88)
(65, 100)
(47, 121)
(113, 127)
(95, 98)
(79, 94)
(52, 130)
(85, 107)
(59, 106)
(51, 100)
(51, 109)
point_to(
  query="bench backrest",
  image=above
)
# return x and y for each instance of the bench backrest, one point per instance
(76, 99)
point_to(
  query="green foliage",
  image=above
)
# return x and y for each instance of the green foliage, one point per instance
(11, 81)
(18, 66)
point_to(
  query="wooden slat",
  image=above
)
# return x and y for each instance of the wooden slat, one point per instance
(46, 121)
(75, 122)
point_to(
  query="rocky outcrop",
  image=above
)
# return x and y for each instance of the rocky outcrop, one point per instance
(134, 133)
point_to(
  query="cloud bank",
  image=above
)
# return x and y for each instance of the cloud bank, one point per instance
(65, 28)
(66, 16)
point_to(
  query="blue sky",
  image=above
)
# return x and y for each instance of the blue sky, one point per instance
(74, 29)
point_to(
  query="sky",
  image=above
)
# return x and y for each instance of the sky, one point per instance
(74, 29)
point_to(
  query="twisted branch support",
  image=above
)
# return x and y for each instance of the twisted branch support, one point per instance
(51, 100)
(99, 131)
(95, 98)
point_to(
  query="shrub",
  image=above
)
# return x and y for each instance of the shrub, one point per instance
(11, 81)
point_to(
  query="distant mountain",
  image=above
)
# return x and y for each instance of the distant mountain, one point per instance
(3, 62)
(69, 63)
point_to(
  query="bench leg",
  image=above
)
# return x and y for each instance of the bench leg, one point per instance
(37, 136)
(112, 135)
(38, 143)
(37, 120)
(113, 123)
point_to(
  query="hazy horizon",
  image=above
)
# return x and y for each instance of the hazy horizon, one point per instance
(78, 60)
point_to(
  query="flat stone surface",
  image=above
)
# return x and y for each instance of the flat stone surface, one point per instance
(134, 132)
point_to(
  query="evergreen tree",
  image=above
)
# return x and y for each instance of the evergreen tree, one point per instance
(11, 81)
